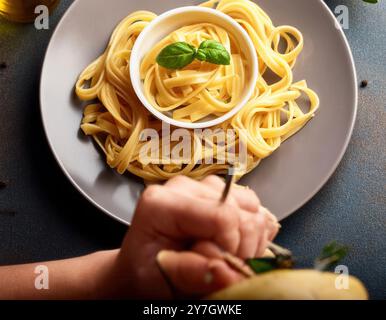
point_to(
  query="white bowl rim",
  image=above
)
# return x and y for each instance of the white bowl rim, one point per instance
(135, 65)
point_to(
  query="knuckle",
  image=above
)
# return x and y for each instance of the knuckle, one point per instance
(151, 194)
(252, 196)
(178, 180)
(260, 222)
(213, 180)
(232, 200)
(249, 225)
(226, 218)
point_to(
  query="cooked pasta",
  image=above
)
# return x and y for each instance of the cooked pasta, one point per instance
(115, 118)
(201, 89)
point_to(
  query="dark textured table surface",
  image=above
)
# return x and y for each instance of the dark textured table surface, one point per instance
(43, 217)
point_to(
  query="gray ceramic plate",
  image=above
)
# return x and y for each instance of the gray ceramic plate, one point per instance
(284, 181)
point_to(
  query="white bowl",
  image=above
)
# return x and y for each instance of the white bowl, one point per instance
(172, 20)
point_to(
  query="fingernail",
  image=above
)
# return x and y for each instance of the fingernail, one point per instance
(163, 255)
(268, 254)
(213, 267)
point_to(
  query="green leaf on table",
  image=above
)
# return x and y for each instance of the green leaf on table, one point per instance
(331, 254)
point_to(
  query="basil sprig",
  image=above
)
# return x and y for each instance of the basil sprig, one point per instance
(180, 54)
(176, 55)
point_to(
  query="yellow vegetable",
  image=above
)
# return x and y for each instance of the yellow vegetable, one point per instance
(294, 285)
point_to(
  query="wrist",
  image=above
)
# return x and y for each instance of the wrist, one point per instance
(101, 272)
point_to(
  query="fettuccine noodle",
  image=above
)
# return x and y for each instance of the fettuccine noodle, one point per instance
(115, 118)
(200, 89)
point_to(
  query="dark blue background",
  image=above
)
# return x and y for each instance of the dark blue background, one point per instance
(52, 220)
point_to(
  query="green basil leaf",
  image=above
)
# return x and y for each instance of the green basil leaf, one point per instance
(331, 254)
(213, 52)
(176, 55)
(260, 265)
(371, 1)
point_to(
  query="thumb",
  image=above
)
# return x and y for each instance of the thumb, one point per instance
(192, 274)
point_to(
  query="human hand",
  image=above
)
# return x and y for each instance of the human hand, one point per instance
(184, 227)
